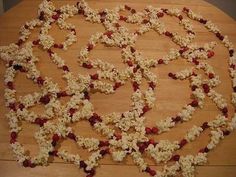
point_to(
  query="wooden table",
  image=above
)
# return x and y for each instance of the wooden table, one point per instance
(171, 95)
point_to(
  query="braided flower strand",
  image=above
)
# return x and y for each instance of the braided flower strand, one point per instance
(133, 137)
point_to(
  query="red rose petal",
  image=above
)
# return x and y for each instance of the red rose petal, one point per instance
(13, 135)
(72, 136)
(135, 86)
(206, 88)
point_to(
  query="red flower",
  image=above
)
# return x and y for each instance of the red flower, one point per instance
(194, 87)
(203, 21)
(26, 163)
(211, 75)
(12, 106)
(220, 36)
(123, 18)
(155, 130)
(148, 130)
(129, 63)
(83, 164)
(206, 150)
(21, 106)
(108, 34)
(185, 9)
(55, 137)
(225, 111)
(36, 42)
(180, 17)
(61, 94)
(41, 16)
(40, 81)
(226, 132)
(118, 136)
(205, 125)
(146, 109)
(195, 61)
(151, 141)
(231, 52)
(40, 121)
(56, 16)
(10, 85)
(103, 143)
(210, 54)
(176, 157)
(145, 21)
(176, 119)
(87, 65)
(44, 99)
(72, 111)
(133, 11)
(132, 49)
(152, 85)
(94, 77)
(169, 34)
(127, 7)
(94, 119)
(117, 85)
(152, 172)
(86, 95)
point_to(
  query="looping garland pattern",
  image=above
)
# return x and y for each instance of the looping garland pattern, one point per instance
(20, 58)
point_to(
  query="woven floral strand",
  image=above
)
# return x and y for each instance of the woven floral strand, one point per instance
(19, 57)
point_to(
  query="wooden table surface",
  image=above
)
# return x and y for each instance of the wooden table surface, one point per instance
(171, 95)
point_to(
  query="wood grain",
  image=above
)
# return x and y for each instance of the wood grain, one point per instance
(171, 95)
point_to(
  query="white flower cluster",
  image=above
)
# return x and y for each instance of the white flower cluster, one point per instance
(46, 41)
(188, 162)
(162, 151)
(93, 160)
(184, 73)
(89, 143)
(218, 99)
(69, 157)
(219, 121)
(216, 135)
(193, 133)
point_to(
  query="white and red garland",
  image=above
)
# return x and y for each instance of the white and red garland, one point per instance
(19, 57)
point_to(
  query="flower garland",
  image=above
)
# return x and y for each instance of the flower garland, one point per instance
(19, 57)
